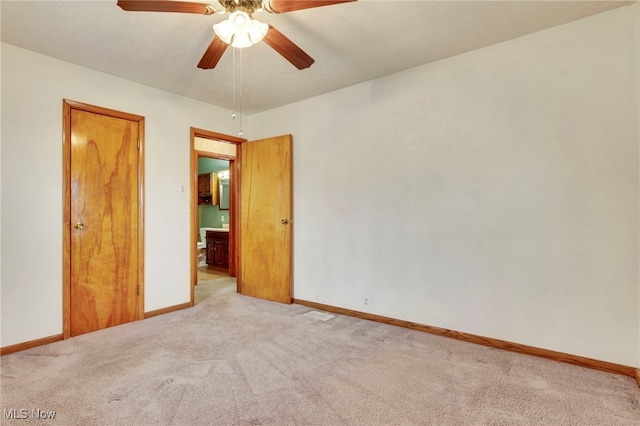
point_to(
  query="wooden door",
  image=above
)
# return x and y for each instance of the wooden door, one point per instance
(265, 219)
(105, 231)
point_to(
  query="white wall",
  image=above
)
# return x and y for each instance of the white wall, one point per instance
(638, 124)
(493, 193)
(33, 87)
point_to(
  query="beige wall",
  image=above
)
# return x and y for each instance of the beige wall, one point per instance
(494, 193)
(33, 87)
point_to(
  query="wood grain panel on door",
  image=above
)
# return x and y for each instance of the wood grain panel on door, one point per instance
(104, 221)
(265, 219)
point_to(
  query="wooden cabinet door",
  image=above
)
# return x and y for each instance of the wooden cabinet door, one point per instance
(204, 184)
(220, 255)
(210, 251)
(214, 188)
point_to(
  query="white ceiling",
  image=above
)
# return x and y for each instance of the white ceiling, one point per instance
(351, 43)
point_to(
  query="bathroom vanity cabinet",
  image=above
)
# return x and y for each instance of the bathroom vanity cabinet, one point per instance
(218, 250)
(208, 191)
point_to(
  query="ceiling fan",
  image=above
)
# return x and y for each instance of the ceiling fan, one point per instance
(240, 29)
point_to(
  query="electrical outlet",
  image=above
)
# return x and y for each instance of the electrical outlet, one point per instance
(365, 302)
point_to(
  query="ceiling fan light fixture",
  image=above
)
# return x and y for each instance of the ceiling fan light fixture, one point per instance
(257, 31)
(241, 40)
(240, 30)
(224, 30)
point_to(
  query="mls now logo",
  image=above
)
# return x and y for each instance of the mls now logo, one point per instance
(23, 413)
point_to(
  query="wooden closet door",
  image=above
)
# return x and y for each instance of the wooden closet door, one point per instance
(104, 211)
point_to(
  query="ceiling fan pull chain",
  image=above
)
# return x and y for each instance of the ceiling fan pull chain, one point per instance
(233, 83)
(241, 133)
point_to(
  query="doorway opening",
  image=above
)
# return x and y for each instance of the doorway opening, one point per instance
(214, 192)
(213, 218)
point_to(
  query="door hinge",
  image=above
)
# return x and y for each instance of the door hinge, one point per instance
(139, 144)
(138, 290)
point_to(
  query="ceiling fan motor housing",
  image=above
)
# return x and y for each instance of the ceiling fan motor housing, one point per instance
(248, 6)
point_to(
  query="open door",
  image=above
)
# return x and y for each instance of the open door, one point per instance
(265, 219)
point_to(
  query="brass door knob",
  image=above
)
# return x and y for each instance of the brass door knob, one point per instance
(79, 225)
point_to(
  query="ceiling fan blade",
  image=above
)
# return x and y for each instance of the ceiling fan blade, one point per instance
(288, 49)
(213, 54)
(166, 6)
(282, 6)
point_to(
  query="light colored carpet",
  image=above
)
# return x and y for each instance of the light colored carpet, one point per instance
(235, 360)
